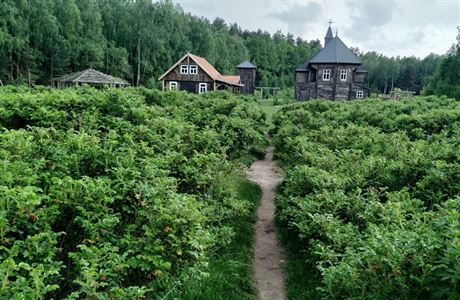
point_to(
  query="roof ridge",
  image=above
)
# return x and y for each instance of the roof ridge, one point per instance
(173, 66)
(82, 73)
(201, 61)
(335, 51)
(329, 33)
(91, 74)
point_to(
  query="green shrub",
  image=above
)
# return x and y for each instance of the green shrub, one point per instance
(116, 194)
(371, 193)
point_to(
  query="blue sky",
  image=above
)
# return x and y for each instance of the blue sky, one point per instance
(391, 27)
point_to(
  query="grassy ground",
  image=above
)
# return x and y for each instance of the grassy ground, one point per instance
(270, 109)
(230, 269)
(301, 279)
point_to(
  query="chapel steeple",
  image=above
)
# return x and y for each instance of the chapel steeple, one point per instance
(329, 35)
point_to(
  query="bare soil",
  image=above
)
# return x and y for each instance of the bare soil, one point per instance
(268, 257)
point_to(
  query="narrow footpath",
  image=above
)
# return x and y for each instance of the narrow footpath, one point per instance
(268, 257)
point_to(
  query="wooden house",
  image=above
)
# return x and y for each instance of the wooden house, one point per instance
(195, 74)
(334, 72)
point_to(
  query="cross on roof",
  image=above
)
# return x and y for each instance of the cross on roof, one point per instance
(330, 22)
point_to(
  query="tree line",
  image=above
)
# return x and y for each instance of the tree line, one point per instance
(408, 73)
(446, 80)
(140, 39)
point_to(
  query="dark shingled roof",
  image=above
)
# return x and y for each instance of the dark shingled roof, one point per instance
(335, 52)
(246, 65)
(360, 69)
(329, 33)
(302, 67)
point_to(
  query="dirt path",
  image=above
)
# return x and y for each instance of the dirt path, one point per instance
(268, 258)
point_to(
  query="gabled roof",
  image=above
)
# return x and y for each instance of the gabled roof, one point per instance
(335, 52)
(173, 66)
(207, 68)
(246, 65)
(91, 76)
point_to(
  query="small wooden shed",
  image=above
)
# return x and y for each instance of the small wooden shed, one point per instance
(90, 77)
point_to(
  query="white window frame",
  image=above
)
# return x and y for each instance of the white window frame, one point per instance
(202, 87)
(193, 69)
(173, 85)
(184, 69)
(326, 74)
(359, 94)
(343, 75)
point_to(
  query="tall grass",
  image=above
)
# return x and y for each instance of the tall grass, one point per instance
(230, 268)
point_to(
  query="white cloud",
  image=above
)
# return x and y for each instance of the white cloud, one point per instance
(393, 27)
(433, 12)
(298, 16)
(368, 18)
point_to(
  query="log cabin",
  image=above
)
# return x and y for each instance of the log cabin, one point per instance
(195, 74)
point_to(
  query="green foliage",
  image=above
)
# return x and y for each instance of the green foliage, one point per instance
(117, 193)
(230, 267)
(40, 40)
(371, 195)
(446, 80)
(43, 39)
(406, 73)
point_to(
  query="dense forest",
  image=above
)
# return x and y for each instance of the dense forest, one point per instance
(138, 40)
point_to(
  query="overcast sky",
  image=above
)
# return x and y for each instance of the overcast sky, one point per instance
(391, 27)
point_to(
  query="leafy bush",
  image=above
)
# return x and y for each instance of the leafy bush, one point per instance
(116, 193)
(372, 194)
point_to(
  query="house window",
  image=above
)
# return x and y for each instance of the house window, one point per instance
(184, 69)
(172, 85)
(202, 88)
(359, 94)
(193, 69)
(343, 75)
(326, 75)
